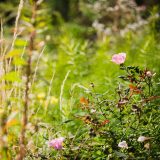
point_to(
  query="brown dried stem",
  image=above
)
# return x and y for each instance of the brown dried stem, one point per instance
(22, 151)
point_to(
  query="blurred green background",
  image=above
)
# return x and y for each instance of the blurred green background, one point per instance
(81, 36)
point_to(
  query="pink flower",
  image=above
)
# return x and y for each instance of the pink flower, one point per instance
(56, 143)
(119, 58)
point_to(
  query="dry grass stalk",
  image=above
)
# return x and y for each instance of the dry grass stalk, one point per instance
(20, 7)
(62, 89)
(3, 106)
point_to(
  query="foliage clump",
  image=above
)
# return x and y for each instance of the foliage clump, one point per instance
(124, 125)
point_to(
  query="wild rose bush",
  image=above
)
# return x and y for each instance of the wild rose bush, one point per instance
(122, 123)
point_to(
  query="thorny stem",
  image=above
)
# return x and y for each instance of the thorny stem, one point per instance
(149, 86)
(103, 114)
(27, 88)
(150, 99)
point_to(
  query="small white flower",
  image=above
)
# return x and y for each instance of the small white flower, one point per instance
(93, 110)
(123, 144)
(149, 74)
(142, 138)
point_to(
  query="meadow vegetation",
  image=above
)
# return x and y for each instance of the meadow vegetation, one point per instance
(76, 89)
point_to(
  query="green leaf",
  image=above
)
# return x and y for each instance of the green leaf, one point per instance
(14, 53)
(99, 152)
(119, 154)
(19, 62)
(12, 77)
(20, 42)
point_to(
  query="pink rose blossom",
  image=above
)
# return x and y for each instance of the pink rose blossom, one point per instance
(119, 58)
(56, 143)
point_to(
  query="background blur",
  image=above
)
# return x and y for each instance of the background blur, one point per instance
(82, 35)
